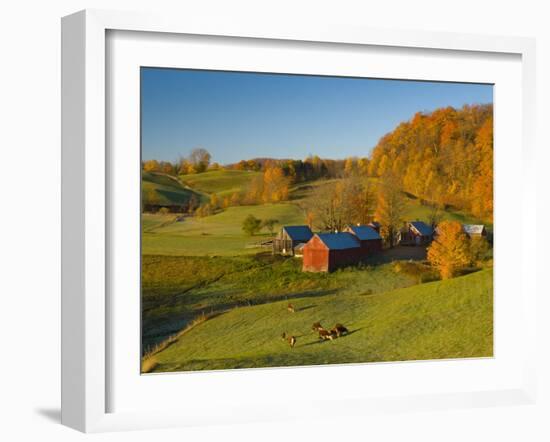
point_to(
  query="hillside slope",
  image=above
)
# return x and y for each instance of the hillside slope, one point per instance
(443, 319)
(221, 182)
(161, 189)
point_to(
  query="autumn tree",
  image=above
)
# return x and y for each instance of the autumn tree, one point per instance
(167, 168)
(200, 159)
(444, 158)
(363, 166)
(151, 166)
(450, 251)
(214, 201)
(349, 166)
(390, 207)
(204, 210)
(251, 225)
(186, 167)
(235, 199)
(482, 204)
(275, 185)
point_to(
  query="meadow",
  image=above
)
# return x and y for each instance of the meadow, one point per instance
(442, 319)
(213, 298)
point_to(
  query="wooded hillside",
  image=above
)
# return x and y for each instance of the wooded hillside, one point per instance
(445, 157)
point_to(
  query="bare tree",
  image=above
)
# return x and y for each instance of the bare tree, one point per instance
(200, 159)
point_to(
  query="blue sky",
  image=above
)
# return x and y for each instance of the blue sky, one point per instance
(237, 115)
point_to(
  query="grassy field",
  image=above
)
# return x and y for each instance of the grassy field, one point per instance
(221, 182)
(220, 234)
(194, 268)
(443, 319)
(166, 190)
(176, 290)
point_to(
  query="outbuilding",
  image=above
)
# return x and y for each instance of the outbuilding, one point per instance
(416, 233)
(289, 237)
(474, 230)
(326, 252)
(369, 239)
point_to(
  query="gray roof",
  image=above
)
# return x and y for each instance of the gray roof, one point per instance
(298, 233)
(339, 241)
(422, 227)
(473, 229)
(365, 232)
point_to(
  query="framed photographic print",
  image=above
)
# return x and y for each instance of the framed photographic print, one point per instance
(252, 213)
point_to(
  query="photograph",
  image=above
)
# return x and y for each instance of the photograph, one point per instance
(292, 220)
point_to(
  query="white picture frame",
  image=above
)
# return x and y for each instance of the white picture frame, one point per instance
(86, 357)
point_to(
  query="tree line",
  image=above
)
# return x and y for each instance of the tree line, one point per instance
(444, 157)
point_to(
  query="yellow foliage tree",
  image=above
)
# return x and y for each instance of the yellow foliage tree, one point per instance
(450, 251)
(390, 207)
(235, 199)
(275, 185)
(363, 166)
(214, 200)
(151, 166)
(349, 166)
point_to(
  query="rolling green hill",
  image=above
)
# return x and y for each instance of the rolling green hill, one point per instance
(219, 234)
(221, 182)
(443, 319)
(161, 189)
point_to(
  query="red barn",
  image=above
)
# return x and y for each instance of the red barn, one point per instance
(369, 238)
(326, 252)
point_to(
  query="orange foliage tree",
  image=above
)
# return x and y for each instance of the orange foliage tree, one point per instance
(450, 251)
(151, 166)
(444, 157)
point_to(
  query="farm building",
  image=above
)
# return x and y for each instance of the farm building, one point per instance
(369, 238)
(299, 250)
(289, 237)
(474, 230)
(416, 233)
(326, 252)
(375, 225)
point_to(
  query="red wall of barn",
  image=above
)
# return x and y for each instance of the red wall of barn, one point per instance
(316, 256)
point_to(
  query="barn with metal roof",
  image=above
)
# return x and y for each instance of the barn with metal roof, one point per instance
(416, 233)
(326, 252)
(289, 237)
(368, 237)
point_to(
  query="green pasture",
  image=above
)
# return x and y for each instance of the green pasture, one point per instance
(221, 182)
(165, 190)
(442, 319)
(177, 289)
(219, 234)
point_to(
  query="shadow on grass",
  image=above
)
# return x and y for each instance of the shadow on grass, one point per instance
(322, 341)
(307, 307)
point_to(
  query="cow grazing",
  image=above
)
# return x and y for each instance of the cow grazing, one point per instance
(339, 330)
(325, 335)
(290, 308)
(317, 326)
(290, 339)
